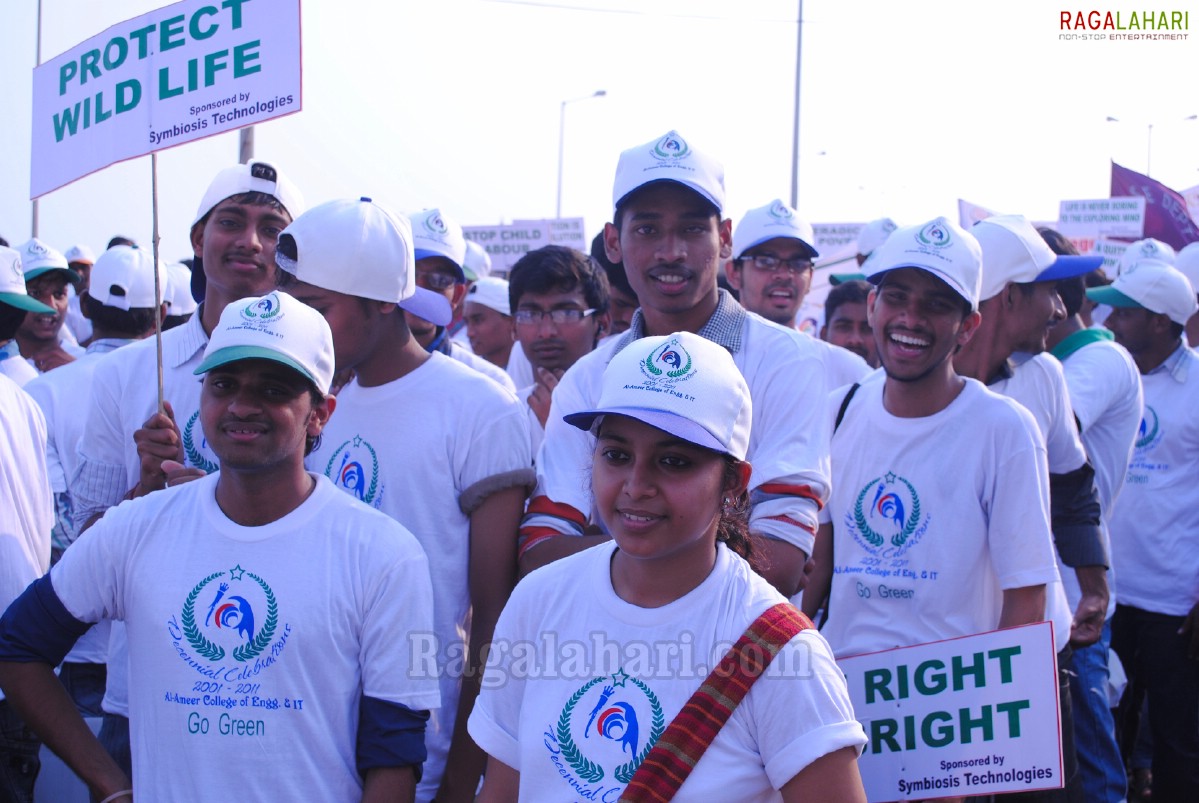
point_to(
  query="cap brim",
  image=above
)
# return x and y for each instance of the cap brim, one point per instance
(426, 253)
(1068, 266)
(875, 278)
(1112, 297)
(70, 275)
(672, 424)
(430, 306)
(841, 278)
(237, 353)
(22, 301)
(695, 189)
(812, 253)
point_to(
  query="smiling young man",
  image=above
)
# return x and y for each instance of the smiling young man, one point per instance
(1155, 528)
(976, 550)
(47, 276)
(126, 441)
(772, 269)
(418, 435)
(668, 232)
(293, 682)
(560, 300)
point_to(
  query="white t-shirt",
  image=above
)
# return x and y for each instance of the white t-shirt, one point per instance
(26, 506)
(1105, 392)
(784, 370)
(427, 449)
(487, 369)
(536, 430)
(251, 647)
(841, 366)
(64, 394)
(580, 684)
(1155, 527)
(931, 526)
(124, 394)
(519, 368)
(1039, 385)
(14, 366)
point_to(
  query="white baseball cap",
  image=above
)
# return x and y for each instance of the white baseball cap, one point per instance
(940, 247)
(669, 158)
(178, 293)
(775, 219)
(1153, 285)
(682, 384)
(1187, 263)
(256, 176)
(12, 284)
(874, 234)
(360, 248)
(1148, 248)
(435, 235)
(477, 263)
(80, 253)
(273, 327)
(1015, 252)
(123, 278)
(491, 292)
(38, 259)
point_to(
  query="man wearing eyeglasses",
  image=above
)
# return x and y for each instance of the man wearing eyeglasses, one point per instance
(440, 254)
(772, 271)
(559, 300)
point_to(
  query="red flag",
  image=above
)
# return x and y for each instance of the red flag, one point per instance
(1166, 215)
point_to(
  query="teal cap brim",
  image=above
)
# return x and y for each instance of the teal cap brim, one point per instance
(237, 353)
(22, 301)
(841, 278)
(1112, 297)
(70, 275)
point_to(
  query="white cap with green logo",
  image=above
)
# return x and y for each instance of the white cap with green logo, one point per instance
(273, 327)
(939, 247)
(682, 384)
(669, 158)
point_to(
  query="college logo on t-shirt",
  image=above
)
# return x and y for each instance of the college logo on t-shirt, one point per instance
(354, 467)
(1150, 432)
(605, 730)
(886, 518)
(195, 446)
(230, 615)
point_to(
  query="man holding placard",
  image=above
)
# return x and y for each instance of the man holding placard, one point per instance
(937, 536)
(128, 449)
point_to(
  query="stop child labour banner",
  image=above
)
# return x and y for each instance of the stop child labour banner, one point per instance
(177, 74)
(967, 716)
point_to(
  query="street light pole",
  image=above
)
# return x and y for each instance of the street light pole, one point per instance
(599, 93)
(795, 129)
(1149, 139)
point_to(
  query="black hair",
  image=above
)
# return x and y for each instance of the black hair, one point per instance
(131, 322)
(3, 242)
(558, 269)
(617, 278)
(1057, 242)
(11, 319)
(733, 528)
(1176, 330)
(120, 240)
(171, 321)
(854, 292)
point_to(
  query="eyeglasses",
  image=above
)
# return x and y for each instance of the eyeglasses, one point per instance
(768, 263)
(435, 280)
(530, 317)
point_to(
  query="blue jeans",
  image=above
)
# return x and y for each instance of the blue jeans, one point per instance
(19, 762)
(1103, 779)
(1154, 656)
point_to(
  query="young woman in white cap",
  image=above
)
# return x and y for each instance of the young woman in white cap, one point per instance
(610, 671)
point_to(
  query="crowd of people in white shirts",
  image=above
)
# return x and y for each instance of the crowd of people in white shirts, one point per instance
(985, 421)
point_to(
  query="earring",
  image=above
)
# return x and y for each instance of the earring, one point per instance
(726, 504)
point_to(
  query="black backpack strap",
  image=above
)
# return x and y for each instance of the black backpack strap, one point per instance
(845, 404)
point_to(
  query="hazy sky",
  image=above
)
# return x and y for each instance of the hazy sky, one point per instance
(906, 106)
